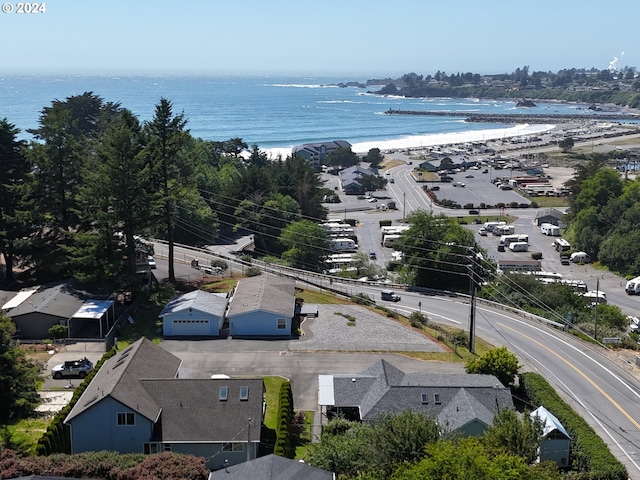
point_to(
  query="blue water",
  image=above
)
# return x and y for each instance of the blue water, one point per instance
(270, 112)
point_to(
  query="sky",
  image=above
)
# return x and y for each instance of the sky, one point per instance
(323, 37)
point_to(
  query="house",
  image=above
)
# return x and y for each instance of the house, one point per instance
(556, 442)
(35, 310)
(461, 403)
(315, 153)
(137, 404)
(427, 166)
(550, 215)
(262, 306)
(196, 313)
(272, 467)
(349, 179)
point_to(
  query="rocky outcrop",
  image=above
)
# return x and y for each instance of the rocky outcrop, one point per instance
(525, 103)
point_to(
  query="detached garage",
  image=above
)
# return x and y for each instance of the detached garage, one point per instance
(195, 314)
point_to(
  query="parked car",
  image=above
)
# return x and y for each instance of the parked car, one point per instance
(373, 256)
(564, 260)
(151, 262)
(474, 212)
(372, 200)
(435, 188)
(391, 180)
(483, 232)
(468, 176)
(73, 368)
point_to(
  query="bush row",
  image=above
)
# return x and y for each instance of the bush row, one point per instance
(284, 445)
(57, 437)
(590, 456)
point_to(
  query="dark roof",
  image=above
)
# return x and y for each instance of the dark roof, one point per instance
(383, 388)
(317, 146)
(119, 378)
(270, 293)
(59, 299)
(549, 212)
(192, 409)
(353, 174)
(271, 467)
(212, 303)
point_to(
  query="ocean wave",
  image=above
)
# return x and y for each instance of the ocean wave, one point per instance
(301, 85)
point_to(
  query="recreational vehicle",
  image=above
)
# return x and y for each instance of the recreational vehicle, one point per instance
(580, 257)
(342, 245)
(519, 246)
(561, 245)
(550, 229)
(390, 240)
(633, 286)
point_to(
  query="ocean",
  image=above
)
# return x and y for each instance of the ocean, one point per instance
(275, 113)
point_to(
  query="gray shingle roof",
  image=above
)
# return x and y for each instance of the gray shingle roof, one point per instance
(269, 293)
(213, 303)
(119, 378)
(59, 299)
(272, 467)
(383, 388)
(193, 412)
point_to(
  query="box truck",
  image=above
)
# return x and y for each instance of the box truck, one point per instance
(633, 286)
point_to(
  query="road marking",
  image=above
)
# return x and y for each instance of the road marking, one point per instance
(579, 372)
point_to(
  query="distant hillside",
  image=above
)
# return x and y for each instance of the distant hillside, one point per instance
(621, 88)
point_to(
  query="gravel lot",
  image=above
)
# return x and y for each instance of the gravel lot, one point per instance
(371, 332)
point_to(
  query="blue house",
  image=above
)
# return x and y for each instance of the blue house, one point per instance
(262, 306)
(137, 404)
(196, 313)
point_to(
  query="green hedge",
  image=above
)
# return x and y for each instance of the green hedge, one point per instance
(57, 438)
(590, 456)
(284, 446)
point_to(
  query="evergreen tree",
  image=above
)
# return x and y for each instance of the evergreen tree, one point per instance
(14, 175)
(168, 168)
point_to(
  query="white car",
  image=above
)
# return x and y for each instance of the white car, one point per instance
(483, 232)
(372, 200)
(151, 262)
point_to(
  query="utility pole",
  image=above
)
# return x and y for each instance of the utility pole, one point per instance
(472, 308)
(595, 311)
(404, 198)
(249, 440)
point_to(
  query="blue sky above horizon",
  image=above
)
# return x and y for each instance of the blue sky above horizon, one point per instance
(327, 38)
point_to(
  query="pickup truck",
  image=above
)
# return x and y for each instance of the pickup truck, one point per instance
(72, 368)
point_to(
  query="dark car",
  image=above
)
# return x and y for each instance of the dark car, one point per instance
(373, 256)
(565, 260)
(474, 212)
(435, 188)
(501, 247)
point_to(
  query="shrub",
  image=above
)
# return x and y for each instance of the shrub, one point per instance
(536, 255)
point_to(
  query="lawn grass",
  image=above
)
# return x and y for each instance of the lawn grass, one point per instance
(305, 435)
(24, 435)
(272, 386)
(316, 296)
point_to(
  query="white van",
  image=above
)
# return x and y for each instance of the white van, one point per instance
(580, 257)
(519, 246)
(490, 226)
(633, 286)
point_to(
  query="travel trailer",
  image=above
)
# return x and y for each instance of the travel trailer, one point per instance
(550, 229)
(580, 257)
(519, 246)
(342, 245)
(633, 286)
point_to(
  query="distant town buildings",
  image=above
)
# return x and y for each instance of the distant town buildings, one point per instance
(315, 153)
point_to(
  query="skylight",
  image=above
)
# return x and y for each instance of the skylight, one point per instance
(224, 394)
(244, 393)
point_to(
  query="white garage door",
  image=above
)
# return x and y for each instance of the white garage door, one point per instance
(190, 327)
